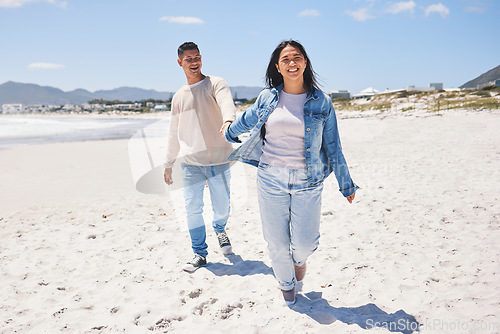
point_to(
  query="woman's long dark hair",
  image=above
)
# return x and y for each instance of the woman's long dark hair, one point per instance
(274, 78)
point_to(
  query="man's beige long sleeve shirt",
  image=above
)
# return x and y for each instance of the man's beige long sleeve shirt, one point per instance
(198, 112)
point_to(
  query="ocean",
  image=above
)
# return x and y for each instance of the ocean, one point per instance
(16, 130)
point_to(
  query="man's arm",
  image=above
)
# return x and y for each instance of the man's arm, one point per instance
(167, 175)
(173, 146)
(225, 101)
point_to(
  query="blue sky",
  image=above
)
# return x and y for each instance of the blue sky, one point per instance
(353, 44)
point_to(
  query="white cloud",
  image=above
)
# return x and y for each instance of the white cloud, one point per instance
(309, 12)
(45, 66)
(62, 4)
(13, 3)
(437, 8)
(182, 19)
(360, 14)
(20, 3)
(399, 7)
(474, 9)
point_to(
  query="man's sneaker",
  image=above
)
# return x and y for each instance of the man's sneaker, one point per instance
(195, 263)
(224, 243)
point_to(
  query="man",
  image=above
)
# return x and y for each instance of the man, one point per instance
(199, 110)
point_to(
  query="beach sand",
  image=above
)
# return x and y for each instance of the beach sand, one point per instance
(81, 251)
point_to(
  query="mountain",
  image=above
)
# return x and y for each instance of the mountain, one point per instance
(245, 92)
(485, 78)
(132, 94)
(31, 94)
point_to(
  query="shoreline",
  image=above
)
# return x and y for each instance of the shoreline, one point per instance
(43, 129)
(118, 115)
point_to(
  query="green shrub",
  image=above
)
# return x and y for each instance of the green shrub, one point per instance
(482, 93)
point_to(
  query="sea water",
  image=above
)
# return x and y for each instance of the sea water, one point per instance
(32, 130)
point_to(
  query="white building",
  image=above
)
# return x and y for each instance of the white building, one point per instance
(432, 87)
(366, 93)
(160, 107)
(12, 108)
(436, 85)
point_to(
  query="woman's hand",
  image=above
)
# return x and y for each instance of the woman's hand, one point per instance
(351, 198)
(225, 126)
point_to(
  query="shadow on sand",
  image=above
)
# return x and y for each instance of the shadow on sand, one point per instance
(239, 267)
(314, 306)
(367, 316)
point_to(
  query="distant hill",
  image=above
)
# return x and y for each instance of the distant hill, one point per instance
(31, 94)
(484, 78)
(244, 92)
(132, 94)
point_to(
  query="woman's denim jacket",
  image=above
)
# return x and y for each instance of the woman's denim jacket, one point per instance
(323, 151)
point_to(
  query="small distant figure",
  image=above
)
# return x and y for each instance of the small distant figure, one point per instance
(199, 110)
(295, 144)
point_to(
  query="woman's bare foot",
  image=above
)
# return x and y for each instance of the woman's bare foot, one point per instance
(289, 296)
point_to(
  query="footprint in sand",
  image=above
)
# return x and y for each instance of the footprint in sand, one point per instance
(195, 294)
(165, 323)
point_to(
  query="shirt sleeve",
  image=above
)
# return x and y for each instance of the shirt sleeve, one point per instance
(173, 146)
(225, 101)
(334, 153)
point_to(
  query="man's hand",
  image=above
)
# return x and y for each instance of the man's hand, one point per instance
(167, 175)
(224, 126)
(351, 198)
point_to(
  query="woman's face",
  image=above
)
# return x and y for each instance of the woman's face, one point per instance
(291, 64)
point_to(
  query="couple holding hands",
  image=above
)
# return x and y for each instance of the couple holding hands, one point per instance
(294, 142)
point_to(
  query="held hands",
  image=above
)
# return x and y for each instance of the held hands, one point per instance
(225, 126)
(351, 198)
(167, 175)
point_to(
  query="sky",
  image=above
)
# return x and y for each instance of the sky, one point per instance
(352, 44)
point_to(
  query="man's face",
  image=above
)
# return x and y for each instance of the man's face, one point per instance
(190, 61)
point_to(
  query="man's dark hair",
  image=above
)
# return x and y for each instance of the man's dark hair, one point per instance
(274, 78)
(186, 46)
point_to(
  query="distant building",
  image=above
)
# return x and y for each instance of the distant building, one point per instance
(366, 93)
(160, 107)
(340, 94)
(412, 88)
(12, 108)
(38, 109)
(436, 86)
(128, 106)
(431, 87)
(68, 108)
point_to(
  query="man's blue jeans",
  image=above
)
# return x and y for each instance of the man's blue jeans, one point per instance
(290, 211)
(194, 179)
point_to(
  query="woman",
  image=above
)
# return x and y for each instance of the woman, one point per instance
(295, 143)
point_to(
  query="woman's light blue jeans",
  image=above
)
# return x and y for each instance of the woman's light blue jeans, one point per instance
(194, 179)
(290, 211)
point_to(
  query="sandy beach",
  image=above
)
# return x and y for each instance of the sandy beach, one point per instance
(82, 251)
